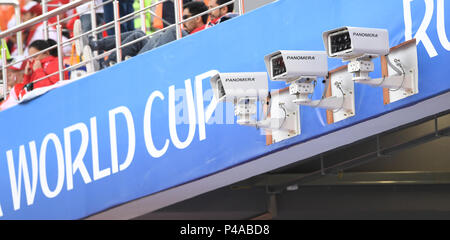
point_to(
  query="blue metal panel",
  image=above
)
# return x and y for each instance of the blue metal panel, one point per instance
(237, 45)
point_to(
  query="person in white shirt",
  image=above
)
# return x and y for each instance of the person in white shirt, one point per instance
(31, 10)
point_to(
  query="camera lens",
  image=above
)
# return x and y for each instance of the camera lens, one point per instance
(340, 42)
(278, 66)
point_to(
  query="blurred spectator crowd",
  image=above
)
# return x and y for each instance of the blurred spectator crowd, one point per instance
(36, 65)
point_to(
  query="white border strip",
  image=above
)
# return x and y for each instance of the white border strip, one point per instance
(279, 159)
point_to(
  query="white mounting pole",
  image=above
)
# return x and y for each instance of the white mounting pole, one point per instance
(44, 11)
(142, 15)
(117, 30)
(392, 82)
(241, 6)
(177, 6)
(18, 34)
(5, 74)
(342, 102)
(93, 19)
(59, 48)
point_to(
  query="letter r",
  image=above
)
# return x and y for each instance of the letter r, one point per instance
(421, 34)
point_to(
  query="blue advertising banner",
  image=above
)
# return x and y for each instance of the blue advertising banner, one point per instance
(139, 127)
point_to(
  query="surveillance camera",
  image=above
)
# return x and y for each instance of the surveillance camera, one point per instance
(299, 69)
(359, 46)
(354, 42)
(290, 66)
(243, 90)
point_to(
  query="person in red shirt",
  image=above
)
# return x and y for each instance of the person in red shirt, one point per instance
(30, 11)
(38, 67)
(191, 26)
(198, 23)
(221, 14)
(14, 77)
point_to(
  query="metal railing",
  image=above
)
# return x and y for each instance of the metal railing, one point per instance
(46, 15)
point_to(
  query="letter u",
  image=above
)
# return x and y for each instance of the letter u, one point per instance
(191, 113)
